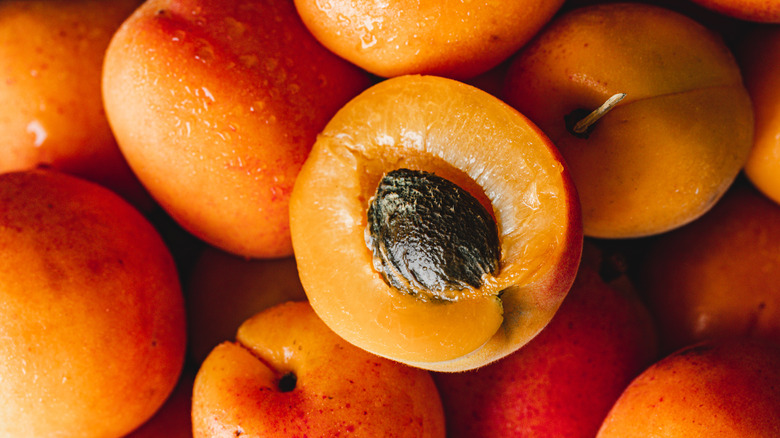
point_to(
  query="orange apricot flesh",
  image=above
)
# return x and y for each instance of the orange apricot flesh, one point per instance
(484, 146)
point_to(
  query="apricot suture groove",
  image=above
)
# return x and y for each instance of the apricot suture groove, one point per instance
(429, 237)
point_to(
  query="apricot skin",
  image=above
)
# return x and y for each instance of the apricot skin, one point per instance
(759, 55)
(718, 276)
(666, 153)
(51, 57)
(93, 329)
(438, 37)
(340, 388)
(457, 131)
(762, 11)
(216, 104)
(714, 389)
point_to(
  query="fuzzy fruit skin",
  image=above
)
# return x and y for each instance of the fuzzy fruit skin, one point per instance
(51, 58)
(759, 55)
(665, 154)
(725, 388)
(216, 105)
(718, 276)
(93, 325)
(340, 388)
(563, 382)
(762, 11)
(448, 38)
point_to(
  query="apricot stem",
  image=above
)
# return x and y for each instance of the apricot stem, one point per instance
(584, 125)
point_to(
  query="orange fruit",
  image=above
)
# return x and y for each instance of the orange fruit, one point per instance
(92, 327)
(215, 105)
(481, 146)
(760, 60)
(447, 38)
(665, 153)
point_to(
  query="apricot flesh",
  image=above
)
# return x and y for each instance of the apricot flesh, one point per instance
(455, 131)
(668, 151)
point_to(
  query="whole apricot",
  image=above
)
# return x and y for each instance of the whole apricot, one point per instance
(714, 389)
(288, 375)
(435, 225)
(92, 333)
(666, 152)
(759, 56)
(718, 276)
(51, 59)
(216, 105)
(446, 38)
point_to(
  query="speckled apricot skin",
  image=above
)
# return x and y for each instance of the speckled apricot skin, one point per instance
(51, 58)
(340, 389)
(668, 151)
(438, 37)
(762, 11)
(759, 55)
(563, 382)
(718, 276)
(92, 333)
(216, 104)
(713, 389)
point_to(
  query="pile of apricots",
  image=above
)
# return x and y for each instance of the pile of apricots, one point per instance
(389, 218)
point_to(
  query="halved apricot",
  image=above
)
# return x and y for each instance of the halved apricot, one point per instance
(432, 125)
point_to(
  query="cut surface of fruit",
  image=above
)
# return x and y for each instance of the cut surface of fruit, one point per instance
(486, 148)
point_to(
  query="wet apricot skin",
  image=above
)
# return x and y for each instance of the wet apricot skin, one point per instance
(287, 375)
(216, 104)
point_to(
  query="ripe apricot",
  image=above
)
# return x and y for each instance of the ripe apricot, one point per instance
(51, 59)
(723, 389)
(92, 332)
(760, 61)
(216, 104)
(447, 38)
(288, 375)
(665, 153)
(437, 318)
(718, 276)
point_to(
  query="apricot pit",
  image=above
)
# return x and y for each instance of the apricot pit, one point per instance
(429, 236)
